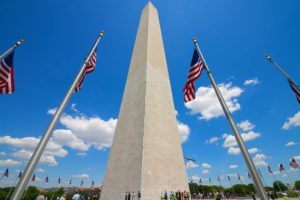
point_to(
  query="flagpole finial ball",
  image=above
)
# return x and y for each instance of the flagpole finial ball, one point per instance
(268, 57)
(20, 41)
(194, 40)
(102, 33)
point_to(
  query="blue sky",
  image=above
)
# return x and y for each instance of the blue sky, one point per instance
(233, 37)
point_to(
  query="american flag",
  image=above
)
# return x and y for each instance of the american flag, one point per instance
(6, 173)
(270, 170)
(93, 183)
(81, 183)
(33, 177)
(239, 177)
(294, 89)
(294, 164)
(197, 66)
(229, 178)
(219, 179)
(59, 180)
(20, 174)
(47, 179)
(90, 67)
(209, 180)
(281, 168)
(70, 182)
(7, 85)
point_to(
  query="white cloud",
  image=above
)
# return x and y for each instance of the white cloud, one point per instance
(26, 154)
(297, 158)
(231, 142)
(207, 105)
(225, 135)
(66, 137)
(81, 154)
(212, 140)
(9, 163)
(52, 111)
(2, 153)
(195, 179)
(246, 125)
(184, 131)
(253, 150)
(259, 156)
(259, 160)
(205, 165)
(292, 121)
(233, 166)
(291, 143)
(234, 150)
(40, 170)
(205, 171)
(73, 107)
(81, 176)
(92, 130)
(190, 165)
(251, 82)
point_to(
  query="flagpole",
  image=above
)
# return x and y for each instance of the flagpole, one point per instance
(292, 185)
(231, 187)
(238, 137)
(18, 43)
(11, 188)
(281, 71)
(44, 140)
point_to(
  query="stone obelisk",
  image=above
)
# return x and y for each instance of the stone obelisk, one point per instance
(146, 154)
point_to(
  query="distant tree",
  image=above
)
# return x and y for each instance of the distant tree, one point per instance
(297, 185)
(60, 192)
(2, 194)
(32, 193)
(277, 185)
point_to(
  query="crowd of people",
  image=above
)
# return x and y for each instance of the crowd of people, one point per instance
(178, 195)
(133, 195)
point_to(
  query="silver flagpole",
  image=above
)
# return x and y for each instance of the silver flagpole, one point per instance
(3, 55)
(282, 71)
(238, 137)
(44, 140)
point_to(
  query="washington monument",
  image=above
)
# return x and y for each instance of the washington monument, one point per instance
(146, 155)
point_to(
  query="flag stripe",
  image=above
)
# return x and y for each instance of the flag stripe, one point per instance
(194, 73)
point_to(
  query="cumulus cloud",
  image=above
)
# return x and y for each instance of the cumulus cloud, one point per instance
(205, 165)
(212, 140)
(251, 82)
(233, 166)
(92, 130)
(52, 111)
(234, 150)
(205, 171)
(259, 160)
(292, 121)
(231, 142)
(66, 137)
(297, 158)
(195, 179)
(2, 153)
(190, 165)
(184, 131)
(207, 105)
(291, 143)
(81, 176)
(81, 154)
(26, 154)
(9, 163)
(253, 150)
(40, 170)
(246, 125)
